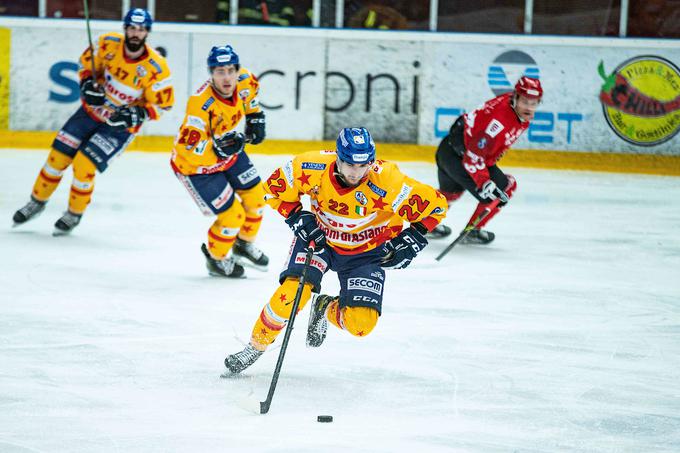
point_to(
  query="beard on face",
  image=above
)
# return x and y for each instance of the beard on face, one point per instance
(136, 45)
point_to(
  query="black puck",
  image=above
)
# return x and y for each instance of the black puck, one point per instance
(324, 418)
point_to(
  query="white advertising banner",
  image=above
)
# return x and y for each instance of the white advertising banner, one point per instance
(602, 95)
(595, 98)
(374, 84)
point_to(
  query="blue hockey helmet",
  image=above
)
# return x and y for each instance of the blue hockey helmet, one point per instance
(138, 16)
(222, 56)
(355, 146)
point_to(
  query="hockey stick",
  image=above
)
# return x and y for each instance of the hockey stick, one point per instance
(463, 234)
(89, 39)
(264, 405)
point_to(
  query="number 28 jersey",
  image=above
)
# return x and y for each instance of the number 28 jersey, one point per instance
(354, 219)
(208, 114)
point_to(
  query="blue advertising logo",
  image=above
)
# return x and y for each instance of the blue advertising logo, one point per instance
(507, 68)
(65, 75)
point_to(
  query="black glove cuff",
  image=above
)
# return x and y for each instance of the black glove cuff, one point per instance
(256, 115)
(420, 228)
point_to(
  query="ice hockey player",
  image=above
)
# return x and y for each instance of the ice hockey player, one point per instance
(131, 84)
(467, 156)
(358, 209)
(210, 161)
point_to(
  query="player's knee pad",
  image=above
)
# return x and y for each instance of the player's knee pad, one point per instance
(253, 199)
(359, 321)
(57, 160)
(281, 302)
(232, 218)
(83, 168)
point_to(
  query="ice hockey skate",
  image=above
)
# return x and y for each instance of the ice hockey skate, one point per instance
(440, 231)
(247, 254)
(480, 237)
(238, 362)
(318, 324)
(226, 267)
(30, 211)
(66, 223)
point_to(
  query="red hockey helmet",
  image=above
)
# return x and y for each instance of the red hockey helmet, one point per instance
(529, 88)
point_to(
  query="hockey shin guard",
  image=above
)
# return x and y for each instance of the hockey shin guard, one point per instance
(359, 321)
(253, 204)
(223, 231)
(82, 186)
(50, 175)
(275, 314)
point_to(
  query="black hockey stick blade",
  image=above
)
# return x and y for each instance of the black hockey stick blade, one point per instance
(463, 234)
(266, 404)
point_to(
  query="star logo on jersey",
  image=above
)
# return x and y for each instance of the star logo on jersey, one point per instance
(282, 298)
(378, 203)
(304, 179)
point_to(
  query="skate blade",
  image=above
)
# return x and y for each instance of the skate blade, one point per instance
(58, 232)
(217, 274)
(245, 262)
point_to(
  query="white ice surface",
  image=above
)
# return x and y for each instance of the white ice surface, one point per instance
(562, 335)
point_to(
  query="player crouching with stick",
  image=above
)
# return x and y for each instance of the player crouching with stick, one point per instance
(358, 208)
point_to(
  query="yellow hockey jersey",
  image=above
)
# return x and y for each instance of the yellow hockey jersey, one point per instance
(208, 114)
(354, 219)
(145, 81)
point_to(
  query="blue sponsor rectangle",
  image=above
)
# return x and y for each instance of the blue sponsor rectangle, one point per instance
(155, 65)
(378, 191)
(208, 103)
(313, 166)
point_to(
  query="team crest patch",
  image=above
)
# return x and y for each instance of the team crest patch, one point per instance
(208, 103)
(361, 198)
(141, 71)
(482, 143)
(243, 94)
(377, 190)
(313, 166)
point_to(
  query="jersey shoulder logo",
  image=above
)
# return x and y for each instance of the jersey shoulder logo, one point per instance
(377, 190)
(208, 103)
(494, 128)
(313, 166)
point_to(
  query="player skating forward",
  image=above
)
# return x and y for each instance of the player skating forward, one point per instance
(210, 161)
(131, 84)
(467, 156)
(359, 206)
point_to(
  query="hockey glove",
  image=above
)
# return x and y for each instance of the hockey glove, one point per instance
(400, 251)
(229, 144)
(92, 93)
(303, 223)
(127, 116)
(255, 127)
(490, 192)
